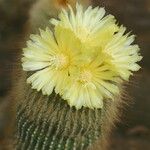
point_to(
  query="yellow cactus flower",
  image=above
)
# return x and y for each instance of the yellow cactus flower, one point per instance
(90, 84)
(50, 60)
(84, 60)
(123, 55)
(90, 26)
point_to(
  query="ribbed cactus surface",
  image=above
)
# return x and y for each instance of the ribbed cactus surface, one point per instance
(49, 123)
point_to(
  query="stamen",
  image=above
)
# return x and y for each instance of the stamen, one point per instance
(59, 61)
(86, 76)
(82, 33)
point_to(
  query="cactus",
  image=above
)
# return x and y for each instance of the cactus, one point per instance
(75, 80)
(46, 123)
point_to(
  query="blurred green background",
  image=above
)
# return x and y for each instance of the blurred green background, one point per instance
(133, 133)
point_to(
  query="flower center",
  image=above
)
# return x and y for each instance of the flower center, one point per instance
(59, 61)
(85, 77)
(82, 33)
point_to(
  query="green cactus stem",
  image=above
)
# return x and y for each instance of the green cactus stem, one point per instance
(49, 123)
